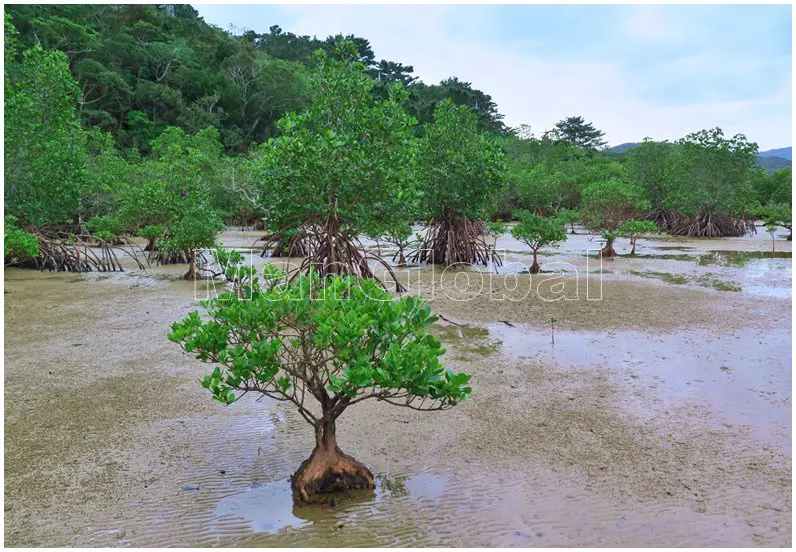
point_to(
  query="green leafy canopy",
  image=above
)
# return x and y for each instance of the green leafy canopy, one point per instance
(349, 152)
(538, 232)
(18, 244)
(461, 170)
(634, 227)
(340, 340)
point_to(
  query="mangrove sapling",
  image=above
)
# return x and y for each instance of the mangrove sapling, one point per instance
(633, 228)
(461, 171)
(537, 232)
(323, 344)
(399, 235)
(175, 191)
(19, 245)
(779, 215)
(496, 229)
(608, 249)
(607, 204)
(152, 233)
(570, 217)
(229, 263)
(193, 228)
(772, 231)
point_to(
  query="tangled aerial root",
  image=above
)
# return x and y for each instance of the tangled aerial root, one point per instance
(328, 250)
(66, 252)
(707, 225)
(286, 243)
(451, 242)
(169, 256)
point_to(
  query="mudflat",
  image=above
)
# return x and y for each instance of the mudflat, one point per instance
(660, 415)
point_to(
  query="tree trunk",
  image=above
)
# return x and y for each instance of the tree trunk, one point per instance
(401, 258)
(571, 227)
(328, 469)
(191, 274)
(608, 250)
(633, 249)
(535, 268)
(151, 245)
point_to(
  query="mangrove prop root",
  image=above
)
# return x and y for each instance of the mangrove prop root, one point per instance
(168, 256)
(706, 225)
(451, 242)
(63, 251)
(286, 244)
(246, 221)
(332, 251)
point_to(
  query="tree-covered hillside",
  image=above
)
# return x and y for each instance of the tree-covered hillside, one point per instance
(142, 68)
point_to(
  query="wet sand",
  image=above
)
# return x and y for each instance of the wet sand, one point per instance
(660, 417)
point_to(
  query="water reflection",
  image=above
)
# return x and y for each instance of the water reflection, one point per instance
(740, 259)
(269, 508)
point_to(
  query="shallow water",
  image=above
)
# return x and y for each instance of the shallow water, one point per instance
(744, 378)
(658, 419)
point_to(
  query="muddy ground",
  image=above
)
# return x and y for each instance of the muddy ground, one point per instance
(661, 415)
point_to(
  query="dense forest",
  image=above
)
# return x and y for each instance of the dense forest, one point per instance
(143, 120)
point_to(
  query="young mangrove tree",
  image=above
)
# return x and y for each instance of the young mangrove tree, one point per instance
(322, 344)
(461, 171)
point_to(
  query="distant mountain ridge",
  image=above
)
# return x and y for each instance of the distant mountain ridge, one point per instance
(622, 148)
(785, 153)
(771, 160)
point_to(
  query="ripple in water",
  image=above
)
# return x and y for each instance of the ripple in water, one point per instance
(267, 508)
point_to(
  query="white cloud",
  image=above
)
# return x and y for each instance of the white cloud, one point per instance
(439, 43)
(651, 22)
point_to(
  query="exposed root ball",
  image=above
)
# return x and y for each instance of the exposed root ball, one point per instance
(450, 242)
(329, 471)
(608, 251)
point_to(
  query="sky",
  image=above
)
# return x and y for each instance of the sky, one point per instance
(635, 71)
